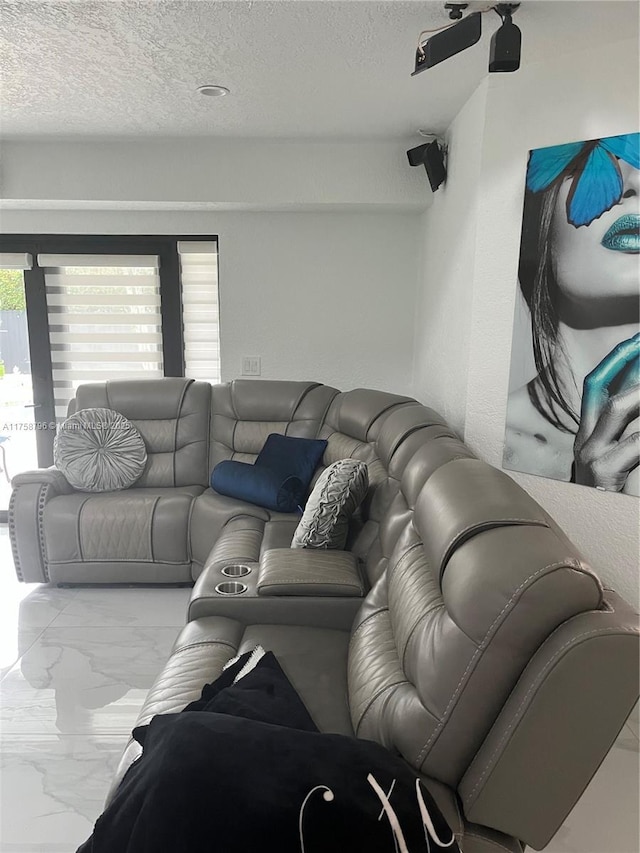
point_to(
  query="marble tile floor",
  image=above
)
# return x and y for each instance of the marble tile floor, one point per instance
(75, 666)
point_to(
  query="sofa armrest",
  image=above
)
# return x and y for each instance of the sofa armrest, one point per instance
(45, 477)
(32, 490)
(566, 711)
(311, 572)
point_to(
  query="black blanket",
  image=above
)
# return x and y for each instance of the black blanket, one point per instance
(244, 769)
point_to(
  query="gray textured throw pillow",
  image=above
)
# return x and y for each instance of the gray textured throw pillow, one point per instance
(340, 490)
(99, 450)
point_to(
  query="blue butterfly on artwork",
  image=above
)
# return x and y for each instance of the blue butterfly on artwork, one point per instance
(596, 180)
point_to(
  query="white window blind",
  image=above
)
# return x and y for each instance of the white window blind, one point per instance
(15, 261)
(200, 313)
(104, 320)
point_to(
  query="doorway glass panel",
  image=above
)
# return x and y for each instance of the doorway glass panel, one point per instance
(18, 421)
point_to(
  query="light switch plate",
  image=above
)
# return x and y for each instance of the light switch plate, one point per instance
(251, 365)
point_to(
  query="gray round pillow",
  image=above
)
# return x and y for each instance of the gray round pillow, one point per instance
(340, 490)
(99, 450)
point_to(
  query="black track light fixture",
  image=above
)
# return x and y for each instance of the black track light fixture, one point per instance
(455, 10)
(464, 31)
(431, 155)
(504, 54)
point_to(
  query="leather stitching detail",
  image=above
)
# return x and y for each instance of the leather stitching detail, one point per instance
(488, 841)
(308, 582)
(153, 514)
(541, 676)
(365, 621)
(494, 522)
(303, 394)
(414, 628)
(42, 500)
(11, 517)
(185, 386)
(232, 401)
(375, 697)
(204, 643)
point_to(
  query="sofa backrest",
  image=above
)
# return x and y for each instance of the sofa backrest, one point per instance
(475, 579)
(352, 428)
(244, 412)
(172, 415)
(396, 428)
(353, 422)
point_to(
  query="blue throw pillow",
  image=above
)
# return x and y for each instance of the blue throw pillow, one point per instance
(292, 457)
(257, 485)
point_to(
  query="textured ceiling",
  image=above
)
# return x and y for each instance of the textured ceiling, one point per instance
(295, 68)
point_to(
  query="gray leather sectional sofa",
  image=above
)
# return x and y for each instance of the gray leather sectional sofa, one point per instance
(460, 628)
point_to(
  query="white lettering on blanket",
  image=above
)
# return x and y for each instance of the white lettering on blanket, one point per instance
(399, 841)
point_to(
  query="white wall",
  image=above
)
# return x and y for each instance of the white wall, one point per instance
(317, 295)
(580, 95)
(443, 309)
(219, 173)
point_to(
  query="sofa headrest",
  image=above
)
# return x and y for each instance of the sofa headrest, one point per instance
(144, 399)
(464, 498)
(399, 424)
(436, 447)
(262, 400)
(354, 413)
(171, 414)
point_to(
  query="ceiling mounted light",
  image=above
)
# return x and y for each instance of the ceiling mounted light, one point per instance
(213, 91)
(450, 39)
(506, 41)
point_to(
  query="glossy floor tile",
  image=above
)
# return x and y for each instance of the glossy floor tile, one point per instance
(127, 607)
(89, 679)
(75, 667)
(53, 788)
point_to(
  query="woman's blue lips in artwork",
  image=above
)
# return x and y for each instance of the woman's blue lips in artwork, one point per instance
(624, 234)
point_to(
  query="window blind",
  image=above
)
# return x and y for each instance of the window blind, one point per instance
(200, 310)
(15, 261)
(104, 320)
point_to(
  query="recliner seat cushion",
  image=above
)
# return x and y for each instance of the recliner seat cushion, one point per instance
(139, 525)
(313, 659)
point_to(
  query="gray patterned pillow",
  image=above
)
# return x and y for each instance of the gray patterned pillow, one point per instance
(340, 490)
(99, 450)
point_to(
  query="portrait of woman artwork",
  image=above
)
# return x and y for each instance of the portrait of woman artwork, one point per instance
(573, 410)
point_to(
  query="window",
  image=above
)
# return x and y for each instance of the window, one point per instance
(200, 312)
(104, 320)
(113, 307)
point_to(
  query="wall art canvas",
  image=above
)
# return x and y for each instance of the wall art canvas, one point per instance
(574, 390)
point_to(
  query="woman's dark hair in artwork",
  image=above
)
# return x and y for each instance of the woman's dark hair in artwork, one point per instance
(539, 288)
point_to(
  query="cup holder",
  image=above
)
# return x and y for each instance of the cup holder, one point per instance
(231, 588)
(236, 570)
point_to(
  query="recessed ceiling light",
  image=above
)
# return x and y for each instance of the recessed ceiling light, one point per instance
(213, 91)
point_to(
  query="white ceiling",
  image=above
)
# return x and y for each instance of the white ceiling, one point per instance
(295, 68)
